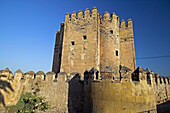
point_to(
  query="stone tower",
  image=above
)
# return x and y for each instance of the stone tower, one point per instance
(127, 45)
(88, 40)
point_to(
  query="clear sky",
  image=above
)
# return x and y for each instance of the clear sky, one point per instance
(28, 27)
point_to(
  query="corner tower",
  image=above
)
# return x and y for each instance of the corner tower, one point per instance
(109, 46)
(127, 47)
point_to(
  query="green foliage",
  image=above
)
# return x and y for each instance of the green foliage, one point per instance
(29, 104)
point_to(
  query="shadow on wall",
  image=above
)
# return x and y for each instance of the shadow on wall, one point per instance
(75, 94)
(164, 107)
(4, 86)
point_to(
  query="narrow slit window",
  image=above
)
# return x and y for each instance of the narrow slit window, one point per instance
(111, 31)
(84, 37)
(97, 75)
(116, 53)
(72, 43)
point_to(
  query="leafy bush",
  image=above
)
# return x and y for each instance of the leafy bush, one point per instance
(29, 104)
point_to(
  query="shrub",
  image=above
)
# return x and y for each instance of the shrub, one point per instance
(29, 104)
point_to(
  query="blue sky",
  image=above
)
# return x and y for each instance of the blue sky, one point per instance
(28, 27)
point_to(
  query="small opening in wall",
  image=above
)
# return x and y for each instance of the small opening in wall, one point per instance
(116, 52)
(125, 39)
(148, 79)
(135, 76)
(72, 43)
(97, 75)
(111, 31)
(84, 37)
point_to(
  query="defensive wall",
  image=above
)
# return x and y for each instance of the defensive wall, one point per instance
(137, 92)
(140, 91)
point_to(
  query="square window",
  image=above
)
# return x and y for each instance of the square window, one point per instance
(72, 43)
(111, 31)
(84, 37)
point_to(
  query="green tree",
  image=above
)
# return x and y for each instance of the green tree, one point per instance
(32, 103)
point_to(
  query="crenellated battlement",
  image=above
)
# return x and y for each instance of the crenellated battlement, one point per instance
(135, 91)
(90, 14)
(139, 75)
(129, 24)
(19, 76)
(140, 87)
(50, 85)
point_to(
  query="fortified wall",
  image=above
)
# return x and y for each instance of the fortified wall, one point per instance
(138, 91)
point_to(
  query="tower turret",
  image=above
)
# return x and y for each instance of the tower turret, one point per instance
(127, 45)
(110, 47)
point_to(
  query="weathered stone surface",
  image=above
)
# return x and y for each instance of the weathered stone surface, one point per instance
(18, 71)
(50, 76)
(127, 47)
(39, 75)
(30, 73)
(88, 40)
(93, 95)
(7, 70)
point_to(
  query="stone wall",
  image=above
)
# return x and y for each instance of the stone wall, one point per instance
(64, 92)
(138, 91)
(80, 41)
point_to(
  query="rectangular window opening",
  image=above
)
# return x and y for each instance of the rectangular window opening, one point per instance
(111, 31)
(72, 43)
(116, 53)
(84, 37)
